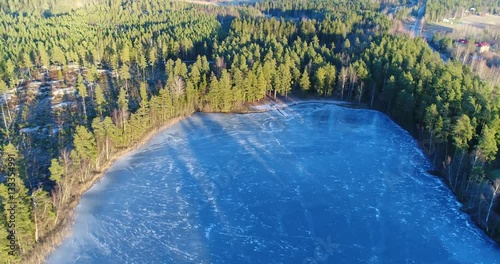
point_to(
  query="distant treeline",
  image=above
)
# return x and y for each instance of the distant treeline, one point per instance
(46, 7)
(86, 85)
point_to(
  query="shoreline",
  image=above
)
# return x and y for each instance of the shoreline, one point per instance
(63, 230)
(43, 249)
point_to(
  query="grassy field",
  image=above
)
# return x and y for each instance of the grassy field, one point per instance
(430, 28)
(468, 25)
(480, 21)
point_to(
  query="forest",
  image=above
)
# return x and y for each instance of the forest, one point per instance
(80, 86)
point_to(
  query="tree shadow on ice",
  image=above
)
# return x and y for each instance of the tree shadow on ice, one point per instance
(229, 199)
(235, 193)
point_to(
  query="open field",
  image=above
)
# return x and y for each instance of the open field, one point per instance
(472, 24)
(430, 28)
(480, 21)
(466, 26)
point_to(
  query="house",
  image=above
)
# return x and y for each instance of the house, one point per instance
(483, 47)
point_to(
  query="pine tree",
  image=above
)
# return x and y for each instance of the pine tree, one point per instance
(214, 95)
(58, 55)
(268, 71)
(363, 75)
(125, 74)
(225, 90)
(142, 63)
(111, 136)
(43, 213)
(320, 80)
(347, 45)
(462, 132)
(56, 171)
(57, 174)
(92, 75)
(82, 91)
(43, 57)
(143, 89)
(342, 80)
(153, 57)
(85, 150)
(122, 106)
(487, 145)
(261, 85)
(28, 64)
(250, 86)
(113, 61)
(9, 69)
(330, 79)
(191, 96)
(305, 84)
(165, 103)
(100, 100)
(195, 75)
(125, 54)
(180, 68)
(431, 118)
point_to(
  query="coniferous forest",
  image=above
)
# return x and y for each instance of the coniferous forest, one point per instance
(83, 83)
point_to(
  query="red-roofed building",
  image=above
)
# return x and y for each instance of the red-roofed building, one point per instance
(483, 46)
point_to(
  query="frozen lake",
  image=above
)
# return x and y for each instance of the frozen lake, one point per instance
(318, 183)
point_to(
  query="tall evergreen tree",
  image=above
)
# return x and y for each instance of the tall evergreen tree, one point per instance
(82, 91)
(305, 83)
(100, 100)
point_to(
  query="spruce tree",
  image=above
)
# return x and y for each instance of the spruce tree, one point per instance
(143, 90)
(100, 100)
(82, 91)
(305, 84)
(85, 148)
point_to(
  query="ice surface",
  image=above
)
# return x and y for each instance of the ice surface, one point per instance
(321, 184)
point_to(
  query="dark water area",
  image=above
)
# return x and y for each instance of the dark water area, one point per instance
(316, 184)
